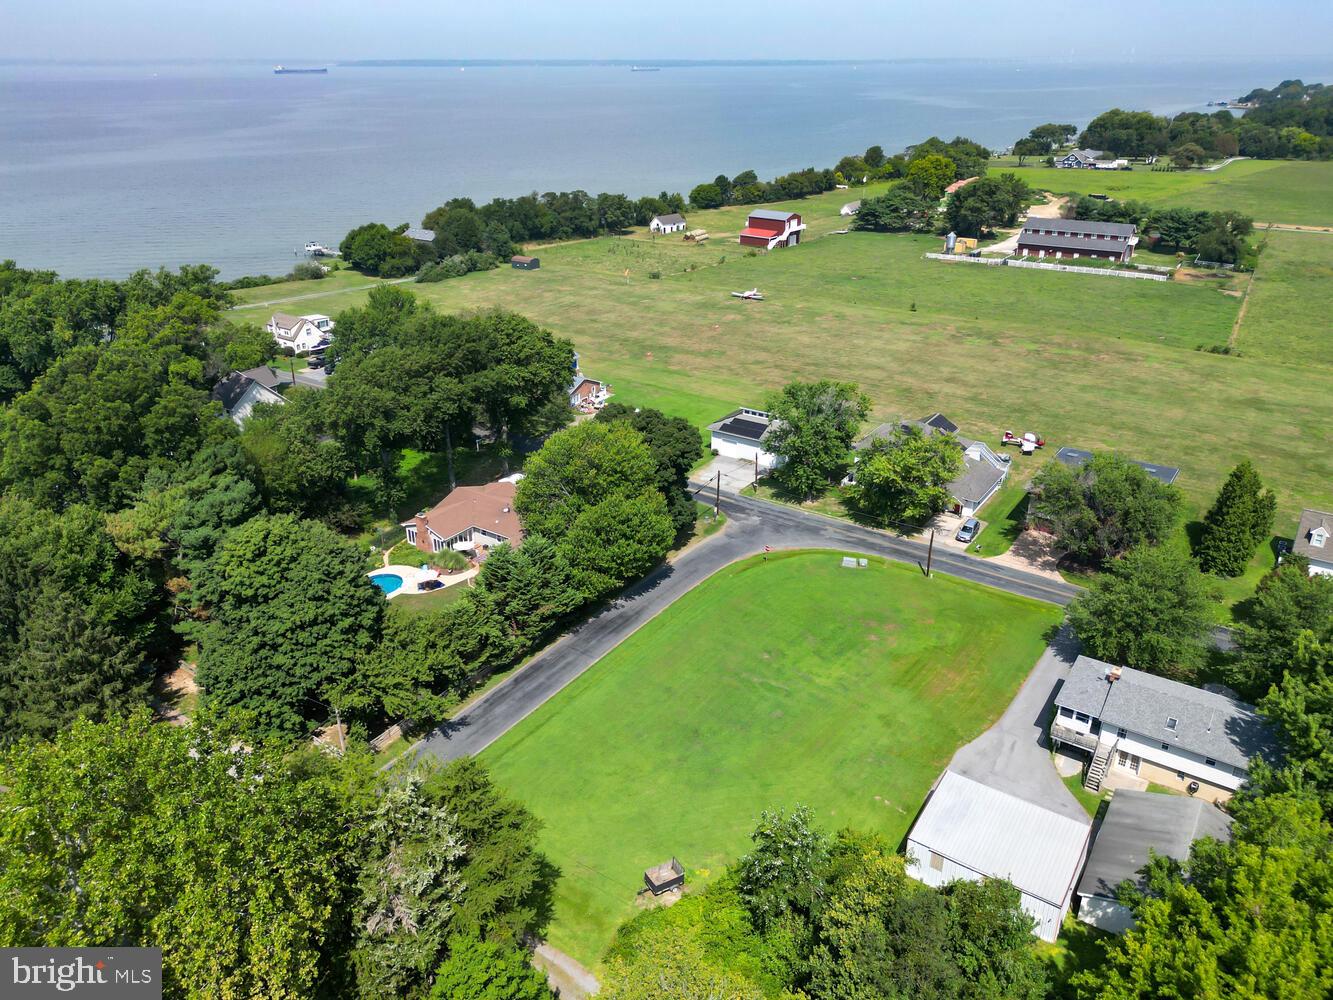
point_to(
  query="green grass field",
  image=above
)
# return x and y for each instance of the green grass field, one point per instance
(1086, 361)
(771, 684)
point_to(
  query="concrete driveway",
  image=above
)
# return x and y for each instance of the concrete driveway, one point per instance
(737, 473)
(1014, 754)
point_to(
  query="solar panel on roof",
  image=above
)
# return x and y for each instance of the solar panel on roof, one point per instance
(744, 428)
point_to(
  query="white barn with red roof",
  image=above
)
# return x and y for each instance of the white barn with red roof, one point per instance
(769, 228)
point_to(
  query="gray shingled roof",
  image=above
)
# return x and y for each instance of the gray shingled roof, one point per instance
(670, 220)
(1083, 227)
(1077, 243)
(1311, 519)
(978, 479)
(1076, 458)
(1210, 725)
(978, 476)
(420, 235)
(231, 389)
(1136, 821)
(769, 213)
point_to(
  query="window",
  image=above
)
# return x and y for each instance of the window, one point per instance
(1067, 713)
(1171, 724)
(1082, 717)
(936, 862)
(1120, 734)
(412, 534)
(1210, 762)
(1166, 746)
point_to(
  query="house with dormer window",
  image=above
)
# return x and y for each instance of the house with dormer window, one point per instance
(1314, 540)
(1157, 730)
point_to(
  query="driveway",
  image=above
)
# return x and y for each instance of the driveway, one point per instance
(1014, 754)
(314, 378)
(737, 473)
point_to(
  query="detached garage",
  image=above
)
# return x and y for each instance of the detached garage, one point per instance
(971, 831)
(741, 434)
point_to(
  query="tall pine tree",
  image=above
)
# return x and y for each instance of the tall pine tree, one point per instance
(1241, 518)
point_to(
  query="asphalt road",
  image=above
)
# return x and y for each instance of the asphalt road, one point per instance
(752, 524)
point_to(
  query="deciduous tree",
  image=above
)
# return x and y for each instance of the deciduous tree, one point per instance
(814, 424)
(905, 477)
(484, 970)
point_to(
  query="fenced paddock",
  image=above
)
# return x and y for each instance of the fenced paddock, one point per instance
(1043, 266)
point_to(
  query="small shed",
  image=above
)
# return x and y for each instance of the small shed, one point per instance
(673, 223)
(664, 877)
(525, 263)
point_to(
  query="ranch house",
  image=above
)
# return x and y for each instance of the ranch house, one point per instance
(470, 519)
(972, 832)
(769, 229)
(1314, 540)
(673, 223)
(1137, 728)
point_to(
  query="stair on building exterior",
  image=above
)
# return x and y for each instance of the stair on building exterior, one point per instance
(1101, 760)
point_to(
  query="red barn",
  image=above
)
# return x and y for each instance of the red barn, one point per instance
(768, 229)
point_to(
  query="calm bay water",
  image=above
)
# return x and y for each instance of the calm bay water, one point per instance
(104, 169)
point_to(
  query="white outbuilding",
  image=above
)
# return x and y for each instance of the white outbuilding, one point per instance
(971, 831)
(672, 223)
(743, 434)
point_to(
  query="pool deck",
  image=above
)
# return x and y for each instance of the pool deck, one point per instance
(415, 576)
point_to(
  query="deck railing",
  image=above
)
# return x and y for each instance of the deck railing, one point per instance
(1063, 734)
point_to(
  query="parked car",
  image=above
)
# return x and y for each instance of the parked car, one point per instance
(969, 530)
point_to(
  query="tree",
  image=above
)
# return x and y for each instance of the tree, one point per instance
(1188, 154)
(1224, 239)
(905, 477)
(1301, 706)
(577, 468)
(410, 886)
(287, 614)
(902, 210)
(1150, 611)
(529, 588)
(483, 970)
(617, 540)
(376, 249)
(1104, 508)
(931, 175)
(814, 424)
(874, 157)
(1052, 135)
(1126, 133)
(1240, 520)
(781, 872)
(986, 204)
(676, 447)
(706, 196)
(615, 212)
(459, 231)
(232, 859)
(68, 665)
(673, 964)
(1246, 919)
(1024, 148)
(298, 467)
(509, 881)
(1290, 609)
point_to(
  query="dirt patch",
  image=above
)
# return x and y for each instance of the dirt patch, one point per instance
(645, 900)
(1033, 552)
(175, 693)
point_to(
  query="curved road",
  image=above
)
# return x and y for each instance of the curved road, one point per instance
(752, 524)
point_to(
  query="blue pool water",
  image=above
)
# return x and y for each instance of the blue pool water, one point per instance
(387, 582)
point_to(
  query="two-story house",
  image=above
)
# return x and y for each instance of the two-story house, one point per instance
(1314, 540)
(300, 333)
(1158, 730)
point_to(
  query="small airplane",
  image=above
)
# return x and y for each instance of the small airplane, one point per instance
(320, 250)
(753, 295)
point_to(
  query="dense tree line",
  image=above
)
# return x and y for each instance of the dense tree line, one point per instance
(829, 918)
(266, 872)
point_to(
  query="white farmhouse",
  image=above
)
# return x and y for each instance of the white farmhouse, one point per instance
(673, 223)
(1141, 726)
(741, 434)
(300, 333)
(1314, 540)
(241, 392)
(971, 831)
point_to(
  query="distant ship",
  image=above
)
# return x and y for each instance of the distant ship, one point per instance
(645, 69)
(281, 70)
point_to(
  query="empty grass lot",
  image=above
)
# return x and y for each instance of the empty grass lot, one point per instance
(1087, 361)
(770, 684)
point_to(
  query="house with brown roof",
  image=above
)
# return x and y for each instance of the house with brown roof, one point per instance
(1314, 540)
(470, 519)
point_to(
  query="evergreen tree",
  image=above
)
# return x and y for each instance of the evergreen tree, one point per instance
(68, 665)
(1240, 519)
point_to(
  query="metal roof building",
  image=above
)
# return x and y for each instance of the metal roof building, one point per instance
(1136, 823)
(971, 831)
(1076, 458)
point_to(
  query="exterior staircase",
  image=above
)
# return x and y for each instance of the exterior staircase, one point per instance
(1101, 760)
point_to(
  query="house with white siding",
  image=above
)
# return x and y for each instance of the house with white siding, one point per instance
(1140, 726)
(300, 333)
(742, 434)
(672, 223)
(241, 392)
(1314, 540)
(973, 832)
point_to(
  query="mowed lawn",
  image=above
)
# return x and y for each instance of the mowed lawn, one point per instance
(1294, 279)
(771, 684)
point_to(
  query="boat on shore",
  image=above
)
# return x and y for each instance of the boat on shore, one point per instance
(645, 69)
(284, 70)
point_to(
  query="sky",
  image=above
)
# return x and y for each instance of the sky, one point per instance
(331, 30)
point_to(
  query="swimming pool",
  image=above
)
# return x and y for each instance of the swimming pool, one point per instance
(387, 582)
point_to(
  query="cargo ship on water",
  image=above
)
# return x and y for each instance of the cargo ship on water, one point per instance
(282, 70)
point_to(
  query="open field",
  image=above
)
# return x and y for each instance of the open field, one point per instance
(1288, 192)
(846, 690)
(1086, 361)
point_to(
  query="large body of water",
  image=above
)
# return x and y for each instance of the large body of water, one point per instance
(104, 169)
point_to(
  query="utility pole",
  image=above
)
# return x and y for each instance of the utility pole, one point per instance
(930, 551)
(755, 484)
(717, 495)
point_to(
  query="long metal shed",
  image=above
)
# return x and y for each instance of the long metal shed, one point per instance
(971, 831)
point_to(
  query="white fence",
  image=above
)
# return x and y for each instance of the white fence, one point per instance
(1042, 266)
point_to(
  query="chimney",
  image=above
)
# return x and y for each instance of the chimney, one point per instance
(1113, 674)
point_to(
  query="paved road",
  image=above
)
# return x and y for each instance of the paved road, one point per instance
(1014, 754)
(752, 524)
